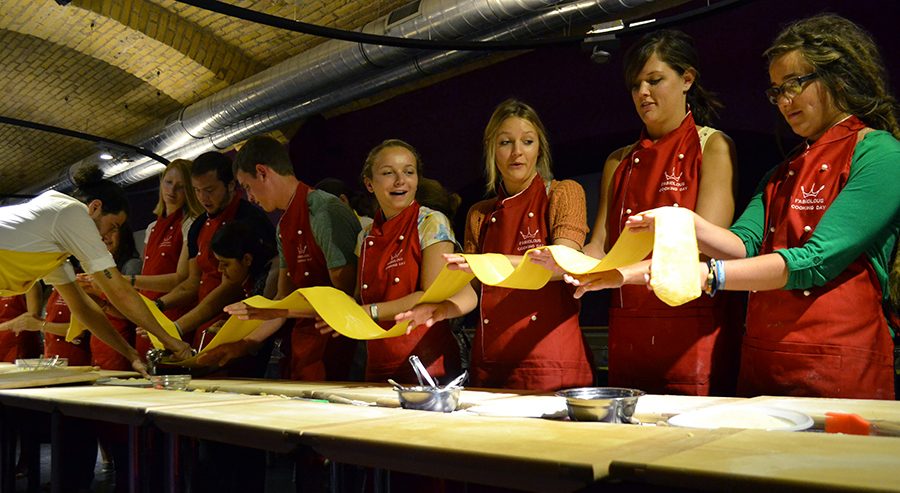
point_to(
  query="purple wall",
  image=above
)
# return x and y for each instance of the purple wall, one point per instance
(585, 106)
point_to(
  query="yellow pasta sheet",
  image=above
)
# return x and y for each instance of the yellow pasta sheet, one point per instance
(76, 328)
(675, 255)
(674, 280)
(167, 325)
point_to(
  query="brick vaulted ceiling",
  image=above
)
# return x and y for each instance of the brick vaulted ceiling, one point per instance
(111, 67)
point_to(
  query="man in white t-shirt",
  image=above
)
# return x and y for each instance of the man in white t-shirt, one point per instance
(38, 236)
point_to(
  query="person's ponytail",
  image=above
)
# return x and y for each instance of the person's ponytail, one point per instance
(704, 104)
(90, 185)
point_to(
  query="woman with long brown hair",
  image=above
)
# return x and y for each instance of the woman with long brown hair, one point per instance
(678, 161)
(814, 246)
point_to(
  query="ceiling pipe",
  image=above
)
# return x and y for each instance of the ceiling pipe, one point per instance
(581, 12)
(320, 67)
(310, 82)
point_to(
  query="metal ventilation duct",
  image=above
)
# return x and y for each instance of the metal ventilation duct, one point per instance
(337, 72)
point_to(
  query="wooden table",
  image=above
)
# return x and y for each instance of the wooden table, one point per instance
(530, 454)
(273, 423)
(752, 460)
(119, 405)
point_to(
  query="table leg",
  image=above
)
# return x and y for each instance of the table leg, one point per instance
(170, 466)
(382, 481)
(57, 442)
(7, 452)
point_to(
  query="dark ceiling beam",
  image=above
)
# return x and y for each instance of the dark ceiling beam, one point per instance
(427, 44)
(114, 144)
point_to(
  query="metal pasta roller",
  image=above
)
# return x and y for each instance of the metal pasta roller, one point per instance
(157, 360)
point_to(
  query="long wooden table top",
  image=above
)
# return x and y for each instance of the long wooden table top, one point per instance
(523, 453)
(339, 392)
(817, 407)
(531, 454)
(275, 424)
(123, 405)
(753, 460)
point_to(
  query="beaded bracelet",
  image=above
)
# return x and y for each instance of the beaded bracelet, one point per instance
(711, 285)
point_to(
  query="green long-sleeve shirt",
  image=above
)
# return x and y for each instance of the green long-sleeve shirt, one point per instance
(864, 218)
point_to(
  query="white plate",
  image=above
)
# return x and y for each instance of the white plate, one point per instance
(522, 407)
(746, 417)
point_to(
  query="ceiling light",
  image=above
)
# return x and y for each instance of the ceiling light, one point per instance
(106, 156)
(641, 23)
(606, 27)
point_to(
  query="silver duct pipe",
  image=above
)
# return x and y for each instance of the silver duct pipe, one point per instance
(307, 81)
(580, 12)
(340, 60)
(316, 69)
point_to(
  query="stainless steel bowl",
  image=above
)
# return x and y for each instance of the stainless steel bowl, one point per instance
(444, 400)
(607, 404)
(170, 382)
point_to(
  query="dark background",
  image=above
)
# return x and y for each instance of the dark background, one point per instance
(585, 107)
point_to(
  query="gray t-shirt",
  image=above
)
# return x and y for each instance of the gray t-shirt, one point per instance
(334, 228)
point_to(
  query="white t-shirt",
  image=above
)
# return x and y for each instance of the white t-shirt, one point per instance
(54, 222)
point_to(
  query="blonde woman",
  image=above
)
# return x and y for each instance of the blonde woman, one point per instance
(525, 339)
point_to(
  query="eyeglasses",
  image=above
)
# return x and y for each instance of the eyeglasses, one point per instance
(790, 88)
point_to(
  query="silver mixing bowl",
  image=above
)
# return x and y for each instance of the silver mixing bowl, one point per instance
(607, 404)
(439, 399)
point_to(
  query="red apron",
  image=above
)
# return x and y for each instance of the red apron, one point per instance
(690, 349)
(313, 356)
(78, 352)
(210, 277)
(828, 341)
(164, 243)
(105, 356)
(163, 248)
(389, 268)
(12, 346)
(527, 339)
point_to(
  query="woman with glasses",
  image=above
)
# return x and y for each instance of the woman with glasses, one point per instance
(815, 245)
(690, 349)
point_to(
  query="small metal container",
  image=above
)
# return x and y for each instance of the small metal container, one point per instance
(607, 404)
(170, 382)
(439, 399)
